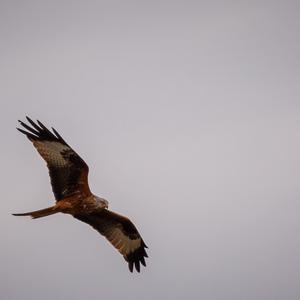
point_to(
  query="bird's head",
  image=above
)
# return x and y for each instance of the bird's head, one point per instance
(103, 203)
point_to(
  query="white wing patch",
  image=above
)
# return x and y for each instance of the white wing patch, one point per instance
(123, 243)
(51, 152)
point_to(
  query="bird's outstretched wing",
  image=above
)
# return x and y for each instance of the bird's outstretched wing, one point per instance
(121, 233)
(68, 171)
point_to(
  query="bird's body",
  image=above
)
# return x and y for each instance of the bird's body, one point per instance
(79, 204)
(69, 179)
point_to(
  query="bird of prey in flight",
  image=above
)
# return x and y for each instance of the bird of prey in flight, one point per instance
(69, 179)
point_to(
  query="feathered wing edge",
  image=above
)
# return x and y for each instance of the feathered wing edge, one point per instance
(135, 258)
(121, 233)
(40, 132)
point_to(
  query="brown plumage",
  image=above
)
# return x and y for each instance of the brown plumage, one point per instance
(69, 180)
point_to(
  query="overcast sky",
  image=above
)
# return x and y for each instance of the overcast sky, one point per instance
(187, 113)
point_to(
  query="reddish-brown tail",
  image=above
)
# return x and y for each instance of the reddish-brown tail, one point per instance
(40, 213)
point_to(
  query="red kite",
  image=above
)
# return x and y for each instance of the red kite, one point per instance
(69, 179)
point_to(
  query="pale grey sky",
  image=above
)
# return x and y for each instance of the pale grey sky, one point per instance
(187, 113)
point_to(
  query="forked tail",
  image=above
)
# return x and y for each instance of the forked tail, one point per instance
(40, 213)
